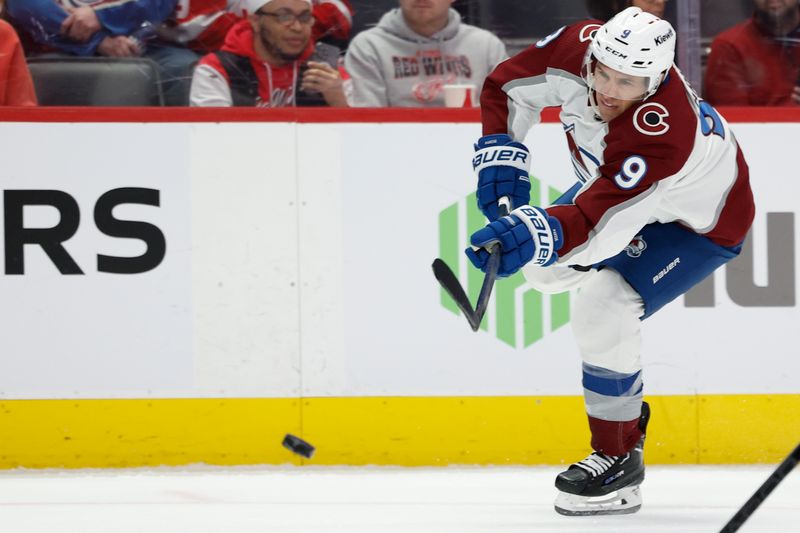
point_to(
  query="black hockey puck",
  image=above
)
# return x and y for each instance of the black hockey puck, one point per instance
(298, 446)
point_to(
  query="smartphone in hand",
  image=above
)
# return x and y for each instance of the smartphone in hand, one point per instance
(326, 53)
(323, 53)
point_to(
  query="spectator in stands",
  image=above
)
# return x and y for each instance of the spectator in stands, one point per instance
(96, 28)
(415, 50)
(605, 9)
(202, 24)
(757, 62)
(270, 60)
(111, 28)
(16, 87)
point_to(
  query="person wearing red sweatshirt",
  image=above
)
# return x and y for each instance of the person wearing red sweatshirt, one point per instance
(270, 60)
(202, 24)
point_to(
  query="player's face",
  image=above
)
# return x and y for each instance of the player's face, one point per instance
(654, 7)
(423, 12)
(615, 91)
(283, 27)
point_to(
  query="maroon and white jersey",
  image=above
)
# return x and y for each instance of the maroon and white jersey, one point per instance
(669, 158)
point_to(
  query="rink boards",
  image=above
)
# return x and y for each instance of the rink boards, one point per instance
(211, 281)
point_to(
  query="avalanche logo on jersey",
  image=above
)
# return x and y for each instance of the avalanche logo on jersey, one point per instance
(636, 247)
(650, 119)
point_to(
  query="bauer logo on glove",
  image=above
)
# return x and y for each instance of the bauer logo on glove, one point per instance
(516, 158)
(526, 235)
(502, 166)
(543, 237)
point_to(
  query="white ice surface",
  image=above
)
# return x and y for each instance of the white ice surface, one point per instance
(374, 500)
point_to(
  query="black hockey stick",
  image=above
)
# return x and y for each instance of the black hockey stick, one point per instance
(763, 491)
(449, 282)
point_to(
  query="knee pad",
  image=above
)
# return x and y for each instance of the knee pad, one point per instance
(605, 320)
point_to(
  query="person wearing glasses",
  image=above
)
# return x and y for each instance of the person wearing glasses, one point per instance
(270, 60)
(414, 51)
(201, 25)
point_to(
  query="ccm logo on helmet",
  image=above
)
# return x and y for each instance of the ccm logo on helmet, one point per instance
(616, 53)
(650, 119)
(661, 39)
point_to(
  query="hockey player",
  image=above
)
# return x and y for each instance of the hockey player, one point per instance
(662, 200)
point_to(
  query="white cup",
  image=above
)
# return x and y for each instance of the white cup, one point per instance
(458, 94)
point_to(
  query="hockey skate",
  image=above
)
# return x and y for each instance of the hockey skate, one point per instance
(604, 484)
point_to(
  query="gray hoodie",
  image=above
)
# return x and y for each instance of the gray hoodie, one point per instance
(391, 65)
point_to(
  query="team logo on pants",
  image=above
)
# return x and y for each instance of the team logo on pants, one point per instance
(636, 247)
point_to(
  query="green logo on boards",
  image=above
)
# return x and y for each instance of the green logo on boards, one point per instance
(523, 315)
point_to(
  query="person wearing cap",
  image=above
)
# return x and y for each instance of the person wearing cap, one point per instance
(414, 51)
(661, 200)
(201, 25)
(270, 60)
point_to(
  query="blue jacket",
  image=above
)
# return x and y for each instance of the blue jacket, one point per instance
(42, 19)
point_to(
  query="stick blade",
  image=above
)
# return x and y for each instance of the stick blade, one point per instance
(449, 282)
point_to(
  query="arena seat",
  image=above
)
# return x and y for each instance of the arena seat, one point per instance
(96, 81)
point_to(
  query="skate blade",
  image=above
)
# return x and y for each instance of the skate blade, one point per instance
(626, 500)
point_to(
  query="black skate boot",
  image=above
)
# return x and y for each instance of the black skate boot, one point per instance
(604, 484)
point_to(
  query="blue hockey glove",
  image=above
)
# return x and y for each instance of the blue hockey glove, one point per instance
(502, 167)
(527, 234)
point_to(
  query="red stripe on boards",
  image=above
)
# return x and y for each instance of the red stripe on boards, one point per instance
(320, 115)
